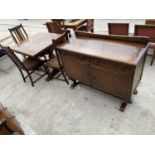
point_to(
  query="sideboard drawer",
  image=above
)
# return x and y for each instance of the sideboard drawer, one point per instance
(76, 56)
(111, 65)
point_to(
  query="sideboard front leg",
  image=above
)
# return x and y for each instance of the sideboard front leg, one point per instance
(135, 92)
(131, 101)
(74, 84)
(123, 106)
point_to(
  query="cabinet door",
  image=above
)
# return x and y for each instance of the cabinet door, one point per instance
(110, 82)
(76, 67)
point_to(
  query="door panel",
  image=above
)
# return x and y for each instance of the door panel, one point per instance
(109, 82)
(77, 70)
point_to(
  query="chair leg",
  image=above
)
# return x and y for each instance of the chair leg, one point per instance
(64, 76)
(22, 75)
(92, 30)
(32, 83)
(153, 56)
(46, 69)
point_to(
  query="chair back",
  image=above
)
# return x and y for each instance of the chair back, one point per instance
(53, 28)
(118, 28)
(62, 39)
(18, 34)
(90, 25)
(145, 30)
(150, 22)
(60, 23)
(13, 57)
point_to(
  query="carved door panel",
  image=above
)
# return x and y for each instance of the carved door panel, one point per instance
(110, 82)
(76, 67)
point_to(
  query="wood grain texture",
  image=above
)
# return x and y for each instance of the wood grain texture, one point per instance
(115, 48)
(118, 28)
(35, 44)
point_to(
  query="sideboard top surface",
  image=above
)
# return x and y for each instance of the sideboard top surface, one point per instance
(120, 50)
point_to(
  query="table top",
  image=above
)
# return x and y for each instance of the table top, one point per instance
(116, 48)
(75, 23)
(35, 44)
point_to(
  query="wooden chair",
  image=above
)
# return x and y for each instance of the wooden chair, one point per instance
(89, 26)
(147, 31)
(8, 124)
(53, 27)
(118, 28)
(150, 22)
(60, 23)
(29, 65)
(18, 34)
(55, 63)
(2, 53)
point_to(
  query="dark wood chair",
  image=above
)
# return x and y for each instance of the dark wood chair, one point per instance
(150, 22)
(118, 28)
(147, 31)
(55, 62)
(88, 27)
(53, 27)
(60, 23)
(8, 124)
(29, 65)
(18, 34)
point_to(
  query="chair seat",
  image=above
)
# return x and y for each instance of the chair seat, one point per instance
(53, 63)
(31, 64)
(152, 45)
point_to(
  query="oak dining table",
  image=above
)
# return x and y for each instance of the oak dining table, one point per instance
(36, 45)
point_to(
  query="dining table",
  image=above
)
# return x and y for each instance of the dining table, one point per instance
(36, 45)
